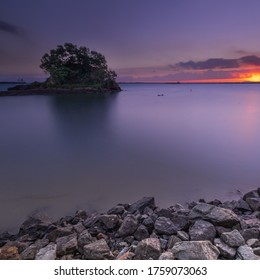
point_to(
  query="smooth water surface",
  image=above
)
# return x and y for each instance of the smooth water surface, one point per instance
(59, 154)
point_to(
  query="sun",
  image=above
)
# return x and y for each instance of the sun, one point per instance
(254, 77)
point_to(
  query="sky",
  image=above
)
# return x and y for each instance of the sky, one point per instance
(142, 40)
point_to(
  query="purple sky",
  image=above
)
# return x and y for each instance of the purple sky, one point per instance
(143, 40)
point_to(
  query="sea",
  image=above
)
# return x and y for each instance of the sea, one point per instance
(176, 142)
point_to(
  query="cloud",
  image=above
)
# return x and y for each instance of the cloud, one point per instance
(250, 60)
(9, 28)
(212, 63)
(219, 63)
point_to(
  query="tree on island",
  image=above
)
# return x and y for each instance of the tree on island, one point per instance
(79, 66)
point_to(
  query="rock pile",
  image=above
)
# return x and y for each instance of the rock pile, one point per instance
(203, 231)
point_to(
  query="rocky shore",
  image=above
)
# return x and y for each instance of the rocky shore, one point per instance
(202, 231)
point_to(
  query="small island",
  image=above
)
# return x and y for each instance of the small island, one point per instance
(72, 70)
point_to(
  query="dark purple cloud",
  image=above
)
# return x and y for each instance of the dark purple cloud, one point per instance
(219, 63)
(251, 60)
(9, 28)
(212, 63)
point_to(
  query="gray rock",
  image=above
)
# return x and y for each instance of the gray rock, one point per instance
(128, 226)
(256, 251)
(202, 230)
(36, 225)
(47, 253)
(110, 221)
(225, 250)
(253, 243)
(233, 238)
(66, 245)
(148, 249)
(216, 215)
(163, 243)
(141, 233)
(78, 228)
(181, 222)
(57, 232)
(40, 243)
(164, 226)
(251, 194)
(166, 256)
(184, 236)
(250, 233)
(149, 224)
(245, 252)
(117, 210)
(141, 204)
(243, 205)
(172, 240)
(84, 238)
(29, 253)
(97, 250)
(220, 229)
(254, 203)
(195, 250)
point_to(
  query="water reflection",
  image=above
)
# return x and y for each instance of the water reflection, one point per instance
(59, 154)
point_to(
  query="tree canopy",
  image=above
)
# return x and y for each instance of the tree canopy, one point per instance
(69, 64)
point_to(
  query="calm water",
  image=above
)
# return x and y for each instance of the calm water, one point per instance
(59, 154)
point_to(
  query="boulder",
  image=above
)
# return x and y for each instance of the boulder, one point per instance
(97, 250)
(57, 232)
(148, 248)
(128, 226)
(36, 225)
(141, 233)
(173, 239)
(149, 224)
(253, 243)
(110, 221)
(117, 210)
(250, 233)
(245, 252)
(233, 238)
(84, 238)
(184, 236)
(202, 230)
(254, 203)
(225, 250)
(181, 222)
(29, 253)
(66, 245)
(216, 215)
(166, 256)
(9, 253)
(141, 204)
(47, 253)
(251, 194)
(195, 250)
(164, 225)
